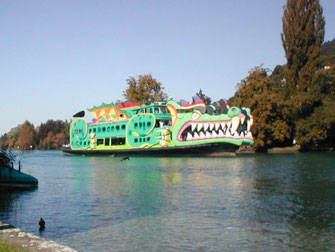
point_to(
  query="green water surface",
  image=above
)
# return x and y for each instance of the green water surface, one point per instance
(274, 202)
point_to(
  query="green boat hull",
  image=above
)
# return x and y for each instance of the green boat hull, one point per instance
(14, 179)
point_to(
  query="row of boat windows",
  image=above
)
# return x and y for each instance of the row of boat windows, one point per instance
(108, 129)
(123, 127)
(142, 139)
(105, 141)
(161, 110)
(114, 141)
(140, 125)
(84, 143)
(159, 124)
(111, 141)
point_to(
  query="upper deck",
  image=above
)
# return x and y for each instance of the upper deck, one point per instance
(109, 113)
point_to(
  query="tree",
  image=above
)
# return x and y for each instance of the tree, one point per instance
(10, 138)
(144, 90)
(49, 135)
(271, 126)
(204, 97)
(302, 37)
(26, 140)
(317, 130)
(328, 54)
(4, 142)
(59, 130)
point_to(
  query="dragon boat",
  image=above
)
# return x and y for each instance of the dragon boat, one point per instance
(176, 128)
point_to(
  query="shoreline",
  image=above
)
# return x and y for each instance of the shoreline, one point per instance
(21, 239)
(291, 149)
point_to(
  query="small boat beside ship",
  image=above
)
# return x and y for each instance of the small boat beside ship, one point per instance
(175, 128)
(11, 178)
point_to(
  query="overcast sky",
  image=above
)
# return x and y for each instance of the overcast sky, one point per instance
(60, 57)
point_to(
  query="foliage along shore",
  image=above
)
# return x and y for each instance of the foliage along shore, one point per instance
(50, 135)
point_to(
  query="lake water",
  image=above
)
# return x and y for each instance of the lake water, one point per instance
(277, 202)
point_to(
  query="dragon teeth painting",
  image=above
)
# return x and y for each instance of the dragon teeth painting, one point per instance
(161, 128)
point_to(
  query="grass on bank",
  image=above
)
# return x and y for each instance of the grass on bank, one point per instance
(7, 247)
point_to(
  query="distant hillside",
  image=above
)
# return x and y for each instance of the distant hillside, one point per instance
(328, 53)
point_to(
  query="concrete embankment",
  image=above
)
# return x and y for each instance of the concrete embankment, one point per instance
(32, 242)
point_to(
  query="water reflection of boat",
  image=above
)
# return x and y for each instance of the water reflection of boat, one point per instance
(11, 178)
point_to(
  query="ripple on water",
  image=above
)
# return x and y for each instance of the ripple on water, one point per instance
(243, 203)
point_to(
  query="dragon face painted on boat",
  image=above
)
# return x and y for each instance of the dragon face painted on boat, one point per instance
(161, 126)
(198, 123)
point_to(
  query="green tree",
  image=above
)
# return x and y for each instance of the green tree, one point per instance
(317, 130)
(10, 140)
(271, 126)
(53, 134)
(144, 90)
(302, 37)
(328, 53)
(204, 97)
(3, 142)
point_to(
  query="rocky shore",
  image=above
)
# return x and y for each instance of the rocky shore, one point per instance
(32, 242)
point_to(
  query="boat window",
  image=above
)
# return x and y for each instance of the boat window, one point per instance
(118, 140)
(106, 141)
(140, 124)
(100, 142)
(90, 130)
(148, 139)
(121, 115)
(94, 130)
(164, 110)
(122, 140)
(108, 129)
(135, 125)
(99, 129)
(123, 127)
(104, 129)
(112, 128)
(149, 124)
(156, 110)
(140, 140)
(114, 141)
(136, 140)
(117, 127)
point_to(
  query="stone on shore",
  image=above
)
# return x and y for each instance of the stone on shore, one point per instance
(32, 242)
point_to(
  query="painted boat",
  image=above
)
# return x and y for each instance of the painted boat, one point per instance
(175, 128)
